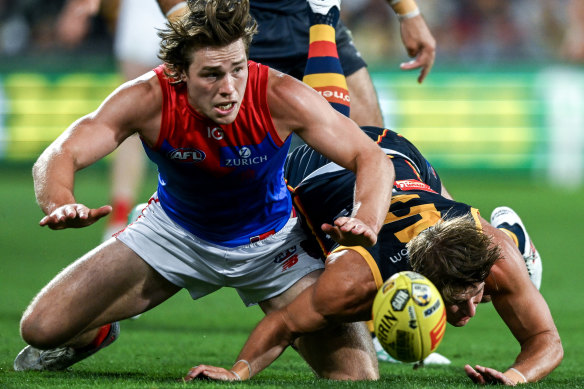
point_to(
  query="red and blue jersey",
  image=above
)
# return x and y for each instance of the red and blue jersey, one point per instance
(223, 183)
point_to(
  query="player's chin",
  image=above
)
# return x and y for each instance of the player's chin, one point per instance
(460, 322)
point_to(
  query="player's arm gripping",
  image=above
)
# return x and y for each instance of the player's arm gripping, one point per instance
(295, 107)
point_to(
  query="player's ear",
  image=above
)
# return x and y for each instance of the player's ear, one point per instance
(183, 75)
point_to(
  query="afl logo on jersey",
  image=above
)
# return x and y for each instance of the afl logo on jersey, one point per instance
(186, 155)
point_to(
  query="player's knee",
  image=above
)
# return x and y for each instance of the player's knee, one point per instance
(37, 331)
(358, 361)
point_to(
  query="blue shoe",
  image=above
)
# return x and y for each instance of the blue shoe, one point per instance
(60, 358)
(505, 218)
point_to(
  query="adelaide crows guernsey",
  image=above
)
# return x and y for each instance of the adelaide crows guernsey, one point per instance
(223, 183)
(323, 191)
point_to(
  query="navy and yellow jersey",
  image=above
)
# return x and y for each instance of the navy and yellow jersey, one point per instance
(323, 191)
(409, 163)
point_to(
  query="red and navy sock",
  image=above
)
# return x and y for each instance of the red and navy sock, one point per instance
(323, 69)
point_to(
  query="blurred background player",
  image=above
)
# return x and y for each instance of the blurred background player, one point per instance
(136, 45)
(282, 43)
(284, 33)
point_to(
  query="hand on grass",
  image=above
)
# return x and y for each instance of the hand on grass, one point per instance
(202, 372)
(486, 376)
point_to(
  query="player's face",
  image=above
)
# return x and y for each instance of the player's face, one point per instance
(465, 305)
(216, 81)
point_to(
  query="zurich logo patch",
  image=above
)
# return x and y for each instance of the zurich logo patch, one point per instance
(244, 152)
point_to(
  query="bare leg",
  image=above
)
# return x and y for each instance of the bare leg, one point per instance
(108, 284)
(365, 109)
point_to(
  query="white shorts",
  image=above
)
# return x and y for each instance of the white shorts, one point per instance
(258, 271)
(136, 39)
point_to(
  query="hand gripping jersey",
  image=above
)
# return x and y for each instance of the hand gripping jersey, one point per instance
(223, 183)
(323, 191)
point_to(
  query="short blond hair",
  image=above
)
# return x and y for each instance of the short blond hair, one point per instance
(454, 254)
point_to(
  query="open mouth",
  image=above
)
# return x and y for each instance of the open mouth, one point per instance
(225, 108)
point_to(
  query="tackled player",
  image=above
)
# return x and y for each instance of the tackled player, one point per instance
(469, 260)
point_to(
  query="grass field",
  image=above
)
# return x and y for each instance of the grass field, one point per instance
(160, 347)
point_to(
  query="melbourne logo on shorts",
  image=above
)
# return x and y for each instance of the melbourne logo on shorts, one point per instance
(287, 258)
(186, 155)
(412, 185)
(293, 260)
(281, 257)
(242, 156)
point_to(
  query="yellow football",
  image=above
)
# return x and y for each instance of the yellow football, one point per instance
(409, 317)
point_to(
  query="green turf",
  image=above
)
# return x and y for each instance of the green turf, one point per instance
(159, 348)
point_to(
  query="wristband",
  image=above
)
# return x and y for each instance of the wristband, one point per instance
(409, 15)
(176, 11)
(405, 9)
(519, 374)
(242, 374)
(237, 375)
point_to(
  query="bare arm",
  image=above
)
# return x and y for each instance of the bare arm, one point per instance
(134, 105)
(445, 193)
(74, 20)
(296, 107)
(527, 315)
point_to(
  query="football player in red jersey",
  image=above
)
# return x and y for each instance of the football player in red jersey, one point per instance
(282, 44)
(208, 225)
